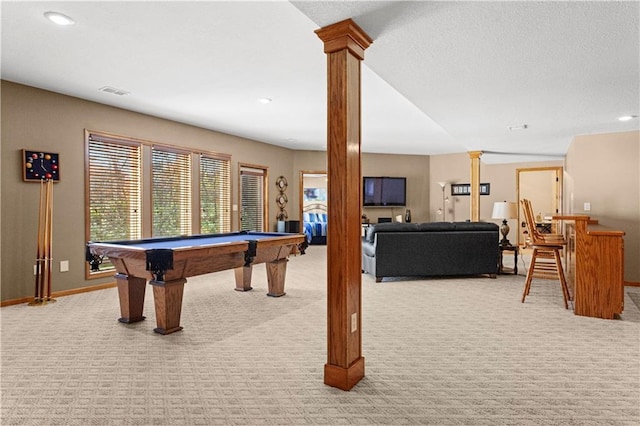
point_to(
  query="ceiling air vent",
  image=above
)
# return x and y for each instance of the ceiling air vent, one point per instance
(113, 90)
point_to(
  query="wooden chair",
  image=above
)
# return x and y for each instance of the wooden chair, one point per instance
(535, 234)
(546, 260)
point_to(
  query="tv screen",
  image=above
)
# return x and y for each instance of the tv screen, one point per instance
(384, 191)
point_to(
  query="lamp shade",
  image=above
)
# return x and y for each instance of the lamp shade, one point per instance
(504, 210)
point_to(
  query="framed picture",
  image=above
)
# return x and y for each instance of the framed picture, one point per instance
(315, 194)
(38, 166)
(465, 189)
(460, 189)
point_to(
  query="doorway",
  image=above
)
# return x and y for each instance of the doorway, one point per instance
(313, 205)
(543, 186)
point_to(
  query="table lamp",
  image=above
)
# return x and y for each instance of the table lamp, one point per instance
(504, 210)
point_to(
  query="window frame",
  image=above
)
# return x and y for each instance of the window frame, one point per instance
(227, 220)
(256, 170)
(186, 224)
(107, 138)
(146, 185)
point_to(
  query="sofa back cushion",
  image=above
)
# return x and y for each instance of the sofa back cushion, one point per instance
(428, 227)
(437, 226)
(389, 227)
(476, 226)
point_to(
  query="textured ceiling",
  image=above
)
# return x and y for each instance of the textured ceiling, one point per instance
(440, 77)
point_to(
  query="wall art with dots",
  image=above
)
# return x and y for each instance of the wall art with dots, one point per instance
(38, 166)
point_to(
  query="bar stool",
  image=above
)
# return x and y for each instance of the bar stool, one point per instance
(545, 260)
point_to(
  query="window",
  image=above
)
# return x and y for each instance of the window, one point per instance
(252, 196)
(215, 197)
(171, 192)
(117, 195)
(114, 187)
(114, 191)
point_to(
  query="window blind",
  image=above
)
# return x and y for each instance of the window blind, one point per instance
(171, 192)
(113, 196)
(114, 191)
(252, 200)
(215, 195)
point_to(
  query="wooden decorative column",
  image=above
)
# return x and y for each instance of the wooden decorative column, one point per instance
(475, 185)
(344, 44)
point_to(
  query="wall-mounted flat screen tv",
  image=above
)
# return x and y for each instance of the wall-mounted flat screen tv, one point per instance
(384, 191)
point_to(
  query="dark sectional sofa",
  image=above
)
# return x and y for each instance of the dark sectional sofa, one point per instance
(430, 249)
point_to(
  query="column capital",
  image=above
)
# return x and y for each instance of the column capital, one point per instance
(344, 35)
(475, 154)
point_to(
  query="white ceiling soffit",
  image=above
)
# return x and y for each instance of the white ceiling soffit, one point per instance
(205, 64)
(477, 68)
(440, 77)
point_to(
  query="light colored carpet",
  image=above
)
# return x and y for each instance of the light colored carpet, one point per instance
(460, 351)
(635, 298)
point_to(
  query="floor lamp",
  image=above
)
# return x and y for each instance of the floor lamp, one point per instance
(444, 211)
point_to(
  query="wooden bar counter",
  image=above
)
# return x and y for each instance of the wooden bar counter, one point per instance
(595, 266)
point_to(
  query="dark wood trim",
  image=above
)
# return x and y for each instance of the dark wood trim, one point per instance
(301, 193)
(265, 193)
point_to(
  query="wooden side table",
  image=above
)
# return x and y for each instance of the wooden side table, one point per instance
(501, 268)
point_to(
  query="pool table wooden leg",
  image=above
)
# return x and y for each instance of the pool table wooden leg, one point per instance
(276, 272)
(243, 278)
(131, 293)
(168, 300)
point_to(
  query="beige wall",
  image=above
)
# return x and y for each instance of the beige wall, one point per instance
(41, 120)
(449, 168)
(456, 168)
(604, 170)
(414, 167)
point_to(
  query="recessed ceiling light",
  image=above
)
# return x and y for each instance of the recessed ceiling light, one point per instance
(519, 127)
(627, 117)
(265, 100)
(59, 18)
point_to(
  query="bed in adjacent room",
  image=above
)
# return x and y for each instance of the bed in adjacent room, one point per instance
(315, 223)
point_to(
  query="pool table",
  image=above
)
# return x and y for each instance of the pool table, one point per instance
(167, 262)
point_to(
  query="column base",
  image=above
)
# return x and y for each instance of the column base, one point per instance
(344, 378)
